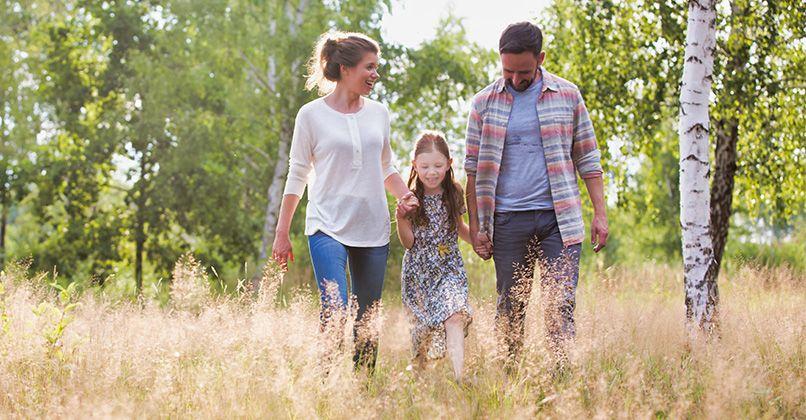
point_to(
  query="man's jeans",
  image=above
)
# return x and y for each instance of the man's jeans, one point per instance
(523, 238)
(367, 267)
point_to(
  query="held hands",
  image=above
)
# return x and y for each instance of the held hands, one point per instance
(599, 232)
(482, 245)
(406, 204)
(281, 250)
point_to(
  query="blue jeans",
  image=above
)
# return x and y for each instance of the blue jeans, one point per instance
(367, 268)
(522, 240)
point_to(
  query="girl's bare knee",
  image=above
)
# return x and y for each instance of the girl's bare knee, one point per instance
(454, 320)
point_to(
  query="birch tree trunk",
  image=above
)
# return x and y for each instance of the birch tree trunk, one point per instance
(274, 194)
(701, 294)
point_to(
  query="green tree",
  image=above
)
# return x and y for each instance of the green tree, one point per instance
(759, 89)
(175, 129)
(19, 122)
(627, 59)
(75, 158)
(271, 42)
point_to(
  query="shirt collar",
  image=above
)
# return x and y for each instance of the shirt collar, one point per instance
(549, 82)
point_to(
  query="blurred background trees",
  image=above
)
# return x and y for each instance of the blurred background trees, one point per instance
(134, 132)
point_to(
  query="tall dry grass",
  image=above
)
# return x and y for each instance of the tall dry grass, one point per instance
(220, 357)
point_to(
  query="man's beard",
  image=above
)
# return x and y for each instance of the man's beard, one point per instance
(523, 86)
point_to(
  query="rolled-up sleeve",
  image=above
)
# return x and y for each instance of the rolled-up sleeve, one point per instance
(300, 159)
(584, 152)
(472, 140)
(387, 155)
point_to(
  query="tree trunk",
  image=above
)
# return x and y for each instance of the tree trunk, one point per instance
(737, 96)
(139, 228)
(3, 224)
(275, 191)
(139, 242)
(701, 296)
(727, 135)
(274, 194)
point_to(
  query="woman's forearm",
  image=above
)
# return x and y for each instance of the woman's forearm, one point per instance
(287, 209)
(395, 185)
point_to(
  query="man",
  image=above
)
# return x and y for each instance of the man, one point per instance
(528, 134)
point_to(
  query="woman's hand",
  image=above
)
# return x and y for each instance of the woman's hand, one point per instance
(281, 250)
(406, 204)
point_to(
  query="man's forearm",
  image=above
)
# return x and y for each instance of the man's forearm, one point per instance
(595, 188)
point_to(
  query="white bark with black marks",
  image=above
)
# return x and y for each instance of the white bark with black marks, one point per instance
(695, 90)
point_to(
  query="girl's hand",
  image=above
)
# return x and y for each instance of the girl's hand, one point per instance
(482, 245)
(281, 250)
(399, 213)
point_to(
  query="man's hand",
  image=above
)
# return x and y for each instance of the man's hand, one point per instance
(406, 205)
(482, 245)
(599, 232)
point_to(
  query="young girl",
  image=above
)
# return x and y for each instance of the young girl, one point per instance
(434, 285)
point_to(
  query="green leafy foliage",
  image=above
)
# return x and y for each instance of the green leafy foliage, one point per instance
(132, 133)
(626, 58)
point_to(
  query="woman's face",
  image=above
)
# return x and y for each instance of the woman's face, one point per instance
(361, 78)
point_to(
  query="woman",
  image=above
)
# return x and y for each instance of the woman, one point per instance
(341, 150)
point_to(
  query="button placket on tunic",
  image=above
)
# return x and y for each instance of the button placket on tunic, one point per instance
(355, 137)
(346, 198)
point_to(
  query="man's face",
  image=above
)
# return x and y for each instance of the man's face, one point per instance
(520, 70)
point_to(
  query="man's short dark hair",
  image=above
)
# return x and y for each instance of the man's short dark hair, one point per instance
(520, 37)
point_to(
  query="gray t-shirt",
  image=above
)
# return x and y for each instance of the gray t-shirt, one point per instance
(523, 181)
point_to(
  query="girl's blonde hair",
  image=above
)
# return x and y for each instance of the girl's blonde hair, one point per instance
(452, 195)
(335, 49)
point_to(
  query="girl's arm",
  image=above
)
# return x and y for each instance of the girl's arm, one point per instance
(463, 229)
(404, 231)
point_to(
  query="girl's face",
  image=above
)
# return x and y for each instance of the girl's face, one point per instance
(362, 77)
(431, 169)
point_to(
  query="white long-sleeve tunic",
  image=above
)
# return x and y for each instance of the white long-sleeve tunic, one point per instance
(344, 159)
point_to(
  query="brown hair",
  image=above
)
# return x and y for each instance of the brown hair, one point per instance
(452, 195)
(520, 37)
(335, 49)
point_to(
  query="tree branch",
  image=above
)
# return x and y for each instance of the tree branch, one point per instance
(253, 72)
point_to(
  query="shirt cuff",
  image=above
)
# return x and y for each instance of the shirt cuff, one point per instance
(389, 171)
(589, 175)
(470, 168)
(294, 186)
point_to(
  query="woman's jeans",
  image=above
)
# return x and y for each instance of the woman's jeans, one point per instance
(367, 268)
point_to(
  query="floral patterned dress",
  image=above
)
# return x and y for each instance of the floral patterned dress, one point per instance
(434, 284)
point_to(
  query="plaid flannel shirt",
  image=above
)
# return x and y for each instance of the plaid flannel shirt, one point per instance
(569, 146)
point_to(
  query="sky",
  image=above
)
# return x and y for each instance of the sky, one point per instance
(412, 21)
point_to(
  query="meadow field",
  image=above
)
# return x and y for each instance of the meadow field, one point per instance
(207, 355)
(137, 133)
